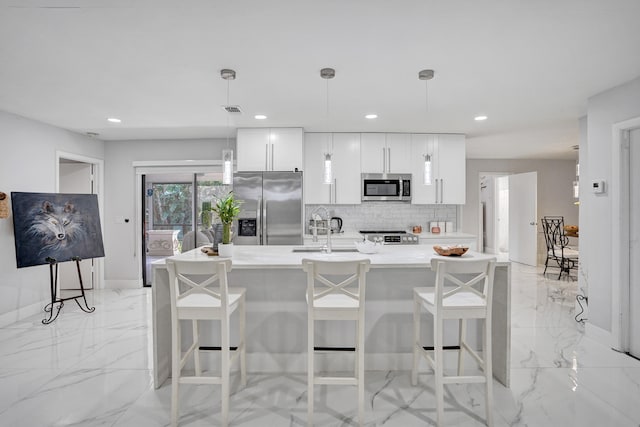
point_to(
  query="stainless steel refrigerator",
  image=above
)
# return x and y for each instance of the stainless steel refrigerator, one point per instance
(271, 209)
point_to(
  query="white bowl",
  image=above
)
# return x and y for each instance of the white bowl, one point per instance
(367, 247)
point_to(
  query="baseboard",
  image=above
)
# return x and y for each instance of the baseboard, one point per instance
(22, 313)
(122, 284)
(598, 334)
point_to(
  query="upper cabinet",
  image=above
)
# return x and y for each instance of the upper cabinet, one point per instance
(448, 163)
(344, 148)
(385, 152)
(269, 149)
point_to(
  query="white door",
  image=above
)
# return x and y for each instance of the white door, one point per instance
(75, 178)
(523, 214)
(634, 242)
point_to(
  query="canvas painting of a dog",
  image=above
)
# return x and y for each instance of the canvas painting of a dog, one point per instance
(56, 226)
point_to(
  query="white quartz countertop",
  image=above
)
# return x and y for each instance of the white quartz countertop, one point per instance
(278, 257)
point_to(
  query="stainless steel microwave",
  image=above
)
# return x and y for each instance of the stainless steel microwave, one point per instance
(388, 187)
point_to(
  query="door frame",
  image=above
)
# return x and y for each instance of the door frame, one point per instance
(620, 310)
(98, 179)
(480, 237)
(147, 167)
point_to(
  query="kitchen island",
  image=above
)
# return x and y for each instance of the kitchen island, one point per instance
(276, 331)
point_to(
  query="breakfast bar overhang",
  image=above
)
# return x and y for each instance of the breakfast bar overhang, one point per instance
(277, 310)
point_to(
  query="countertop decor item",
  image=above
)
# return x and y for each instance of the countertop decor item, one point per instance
(227, 208)
(209, 251)
(457, 250)
(4, 205)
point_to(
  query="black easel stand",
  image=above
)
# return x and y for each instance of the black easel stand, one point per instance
(53, 272)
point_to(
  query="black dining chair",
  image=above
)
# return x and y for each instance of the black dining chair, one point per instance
(558, 249)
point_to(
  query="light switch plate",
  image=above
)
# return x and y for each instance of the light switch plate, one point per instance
(597, 187)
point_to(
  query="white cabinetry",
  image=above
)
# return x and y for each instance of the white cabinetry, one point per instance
(385, 152)
(269, 149)
(448, 159)
(345, 150)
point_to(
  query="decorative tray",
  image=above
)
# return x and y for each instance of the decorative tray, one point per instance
(209, 251)
(455, 250)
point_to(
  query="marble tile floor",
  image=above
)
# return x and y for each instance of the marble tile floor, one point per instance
(95, 370)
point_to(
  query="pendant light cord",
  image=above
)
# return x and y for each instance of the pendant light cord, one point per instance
(228, 130)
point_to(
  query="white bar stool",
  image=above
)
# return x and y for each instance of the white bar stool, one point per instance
(454, 298)
(329, 299)
(195, 296)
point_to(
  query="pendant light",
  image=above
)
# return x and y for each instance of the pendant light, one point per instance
(427, 173)
(327, 168)
(227, 154)
(427, 178)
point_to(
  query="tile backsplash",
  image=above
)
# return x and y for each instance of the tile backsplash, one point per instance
(386, 215)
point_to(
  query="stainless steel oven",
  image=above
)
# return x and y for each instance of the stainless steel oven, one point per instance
(388, 187)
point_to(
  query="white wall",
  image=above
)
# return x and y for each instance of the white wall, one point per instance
(615, 105)
(122, 258)
(28, 163)
(555, 190)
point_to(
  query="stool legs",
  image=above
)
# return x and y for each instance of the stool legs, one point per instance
(488, 369)
(310, 370)
(175, 373)
(461, 340)
(416, 341)
(438, 358)
(243, 352)
(360, 376)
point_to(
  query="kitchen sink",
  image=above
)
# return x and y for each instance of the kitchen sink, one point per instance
(318, 249)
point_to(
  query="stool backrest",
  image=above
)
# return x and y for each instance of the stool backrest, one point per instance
(461, 275)
(336, 277)
(197, 277)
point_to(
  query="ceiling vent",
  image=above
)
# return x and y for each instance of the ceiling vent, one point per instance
(232, 109)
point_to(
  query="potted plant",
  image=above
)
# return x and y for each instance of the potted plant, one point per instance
(227, 209)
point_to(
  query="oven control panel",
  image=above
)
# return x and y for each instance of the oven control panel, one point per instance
(392, 238)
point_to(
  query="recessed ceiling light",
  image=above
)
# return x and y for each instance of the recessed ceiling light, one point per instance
(114, 120)
(480, 118)
(259, 117)
(371, 116)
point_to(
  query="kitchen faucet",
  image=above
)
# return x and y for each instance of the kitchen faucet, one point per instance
(327, 227)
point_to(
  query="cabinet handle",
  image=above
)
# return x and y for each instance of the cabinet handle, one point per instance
(335, 190)
(441, 190)
(389, 160)
(272, 155)
(266, 157)
(384, 160)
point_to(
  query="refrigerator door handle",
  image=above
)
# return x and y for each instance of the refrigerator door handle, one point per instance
(259, 221)
(265, 236)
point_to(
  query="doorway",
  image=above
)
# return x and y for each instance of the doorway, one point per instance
(79, 175)
(494, 199)
(175, 214)
(625, 185)
(508, 212)
(634, 242)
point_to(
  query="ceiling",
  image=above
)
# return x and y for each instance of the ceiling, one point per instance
(530, 66)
